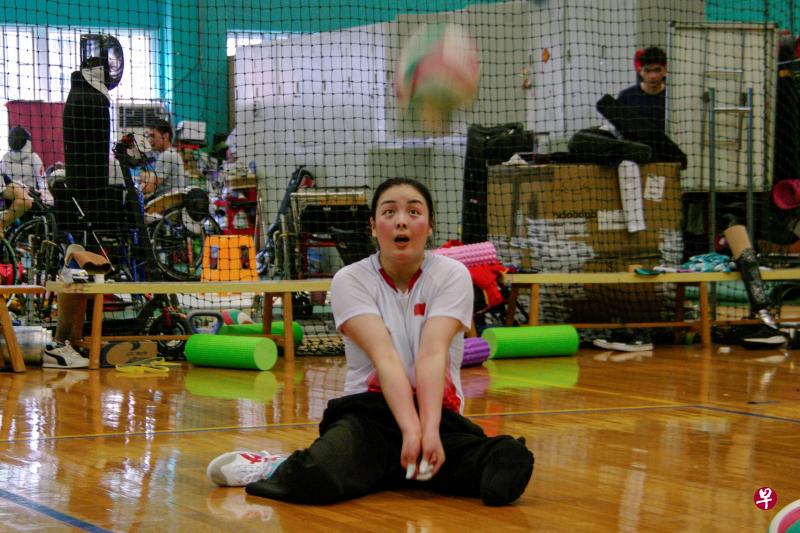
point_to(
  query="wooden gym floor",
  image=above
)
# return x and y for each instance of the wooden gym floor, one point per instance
(677, 439)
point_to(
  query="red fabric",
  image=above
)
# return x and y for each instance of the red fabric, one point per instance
(7, 273)
(44, 121)
(451, 243)
(486, 277)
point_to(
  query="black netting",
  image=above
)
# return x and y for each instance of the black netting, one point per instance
(287, 118)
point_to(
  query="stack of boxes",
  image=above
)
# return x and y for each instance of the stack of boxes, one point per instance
(569, 218)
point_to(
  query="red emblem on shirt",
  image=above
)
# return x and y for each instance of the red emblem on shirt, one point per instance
(419, 309)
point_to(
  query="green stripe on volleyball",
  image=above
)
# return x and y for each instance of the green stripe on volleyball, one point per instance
(225, 351)
(531, 341)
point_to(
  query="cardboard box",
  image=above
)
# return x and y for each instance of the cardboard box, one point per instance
(570, 218)
(191, 130)
(584, 194)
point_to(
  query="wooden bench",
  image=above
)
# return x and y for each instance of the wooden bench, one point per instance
(270, 290)
(533, 282)
(17, 362)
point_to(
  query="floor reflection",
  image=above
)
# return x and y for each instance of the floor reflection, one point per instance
(628, 442)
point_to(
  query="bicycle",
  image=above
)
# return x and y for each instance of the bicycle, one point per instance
(29, 246)
(34, 242)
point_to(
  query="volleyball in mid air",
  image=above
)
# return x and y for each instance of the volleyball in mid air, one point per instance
(437, 73)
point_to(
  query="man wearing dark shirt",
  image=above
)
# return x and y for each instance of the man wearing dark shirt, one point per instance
(649, 95)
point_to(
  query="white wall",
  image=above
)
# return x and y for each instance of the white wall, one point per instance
(748, 63)
(327, 100)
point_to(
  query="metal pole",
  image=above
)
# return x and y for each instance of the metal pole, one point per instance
(712, 195)
(712, 190)
(750, 218)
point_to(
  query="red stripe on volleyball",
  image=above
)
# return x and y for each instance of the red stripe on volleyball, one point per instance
(460, 80)
(790, 519)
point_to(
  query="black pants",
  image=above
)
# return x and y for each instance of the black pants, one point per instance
(358, 453)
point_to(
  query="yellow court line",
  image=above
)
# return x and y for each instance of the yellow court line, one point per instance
(160, 432)
(584, 389)
(575, 410)
(316, 423)
(578, 410)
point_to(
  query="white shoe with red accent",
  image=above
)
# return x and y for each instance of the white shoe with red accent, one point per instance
(239, 468)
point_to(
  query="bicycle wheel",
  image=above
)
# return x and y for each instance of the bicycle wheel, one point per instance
(174, 324)
(40, 257)
(177, 243)
(33, 243)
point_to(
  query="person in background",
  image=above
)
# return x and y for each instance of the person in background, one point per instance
(164, 173)
(15, 201)
(21, 169)
(649, 94)
(21, 163)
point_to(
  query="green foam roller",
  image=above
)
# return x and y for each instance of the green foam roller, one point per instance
(226, 351)
(258, 329)
(231, 384)
(531, 341)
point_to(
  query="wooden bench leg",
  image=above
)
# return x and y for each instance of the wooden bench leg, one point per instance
(705, 316)
(680, 297)
(288, 330)
(533, 312)
(14, 353)
(266, 314)
(96, 332)
(511, 305)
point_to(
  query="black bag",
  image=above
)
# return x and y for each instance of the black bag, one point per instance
(600, 147)
(486, 145)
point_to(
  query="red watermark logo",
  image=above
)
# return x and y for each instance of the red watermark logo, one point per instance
(765, 498)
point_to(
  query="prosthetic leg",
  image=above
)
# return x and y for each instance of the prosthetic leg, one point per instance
(745, 257)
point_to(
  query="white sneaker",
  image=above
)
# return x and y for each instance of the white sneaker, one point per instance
(625, 343)
(239, 468)
(63, 356)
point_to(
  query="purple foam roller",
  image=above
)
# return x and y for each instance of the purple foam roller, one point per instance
(476, 351)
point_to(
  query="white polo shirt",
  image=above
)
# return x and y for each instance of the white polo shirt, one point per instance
(442, 287)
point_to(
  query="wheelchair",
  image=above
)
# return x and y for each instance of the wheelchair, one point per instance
(330, 217)
(177, 237)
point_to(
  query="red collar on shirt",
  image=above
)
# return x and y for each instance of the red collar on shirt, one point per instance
(390, 281)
